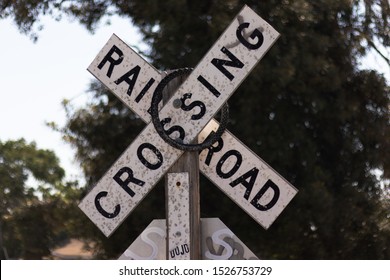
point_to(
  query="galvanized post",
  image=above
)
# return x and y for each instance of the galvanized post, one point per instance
(188, 162)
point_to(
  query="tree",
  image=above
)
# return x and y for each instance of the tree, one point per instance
(35, 204)
(307, 110)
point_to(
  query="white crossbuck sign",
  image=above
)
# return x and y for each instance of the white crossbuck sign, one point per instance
(237, 171)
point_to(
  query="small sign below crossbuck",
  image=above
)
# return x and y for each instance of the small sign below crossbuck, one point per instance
(218, 243)
(241, 174)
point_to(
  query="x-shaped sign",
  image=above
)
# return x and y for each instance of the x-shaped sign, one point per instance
(241, 174)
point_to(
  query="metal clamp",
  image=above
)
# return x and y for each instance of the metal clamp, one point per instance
(158, 125)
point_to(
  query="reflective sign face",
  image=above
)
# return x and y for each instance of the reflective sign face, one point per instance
(210, 84)
(127, 75)
(245, 177)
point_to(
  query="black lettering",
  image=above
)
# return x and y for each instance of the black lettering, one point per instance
(233, 62)
(192, 105)
(133, 73)
(100, 209)
(152, 166)
(130, 179)
(234, 169)
(108, 58)
(175, 128)
(186, 248)
(212, 150)
(255, 34)
(144, 90)
(209, 86)
(252, 175)
(255, 201)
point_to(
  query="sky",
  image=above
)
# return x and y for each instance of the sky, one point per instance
(36, 77)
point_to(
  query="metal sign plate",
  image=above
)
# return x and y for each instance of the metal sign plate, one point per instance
(218, 243)
(230, 143)
(245, 178)
(220, 72)
(211, 83)
(150, 244)
(131, 78)
(128, 180)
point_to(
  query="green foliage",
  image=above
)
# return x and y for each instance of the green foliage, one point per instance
(19, 160)
(307, 110)
(36, 206)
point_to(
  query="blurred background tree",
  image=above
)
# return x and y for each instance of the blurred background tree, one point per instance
(36, 206)
(308, 110)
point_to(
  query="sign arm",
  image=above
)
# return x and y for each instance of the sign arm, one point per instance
(246, 179)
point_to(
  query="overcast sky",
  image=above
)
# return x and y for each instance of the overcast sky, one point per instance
(36, 77)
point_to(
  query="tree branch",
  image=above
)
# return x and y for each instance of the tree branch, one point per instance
(372, 44)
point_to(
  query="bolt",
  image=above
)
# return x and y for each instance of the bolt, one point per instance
(176, 103)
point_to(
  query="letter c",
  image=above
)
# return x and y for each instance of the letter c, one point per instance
(100, 208)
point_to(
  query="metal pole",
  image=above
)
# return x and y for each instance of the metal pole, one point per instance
(188, 162)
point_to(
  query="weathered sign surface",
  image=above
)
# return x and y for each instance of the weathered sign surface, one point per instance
(245, 177)
(178, 217)
(208, 87)
(218, 243)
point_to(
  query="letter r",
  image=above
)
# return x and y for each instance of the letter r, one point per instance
(129, 179)
(109, 58)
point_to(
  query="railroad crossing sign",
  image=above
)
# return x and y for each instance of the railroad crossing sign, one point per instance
(241, 174)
